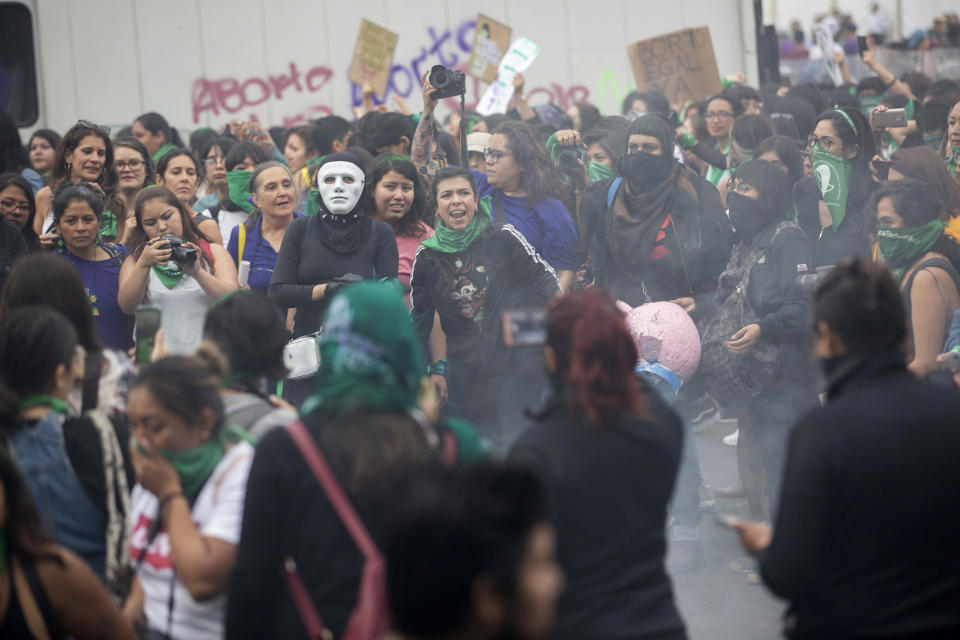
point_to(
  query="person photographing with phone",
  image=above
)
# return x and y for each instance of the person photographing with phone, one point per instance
(174, 267)
(864, 541)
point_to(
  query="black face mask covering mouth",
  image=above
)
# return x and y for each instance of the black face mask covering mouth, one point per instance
(644, 171)
(746, 215)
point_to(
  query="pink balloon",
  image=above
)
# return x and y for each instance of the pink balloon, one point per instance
(664, 333)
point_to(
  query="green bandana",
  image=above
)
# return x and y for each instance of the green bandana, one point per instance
(716, 174)
(45, 400)
(898, 248)
(890, 145)
(169, 274)
(833, 176)
(238, 182)
(933, 140)
(194, 466)
(447, 240)
(868, 104)
(370, 356)
(312, 207)
(162, 151)
(108, 225)
(598, 171)
(953, 160)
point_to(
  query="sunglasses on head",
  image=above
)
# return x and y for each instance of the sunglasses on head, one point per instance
(96, 127)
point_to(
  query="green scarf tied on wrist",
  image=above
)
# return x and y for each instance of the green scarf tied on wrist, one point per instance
(900, 247)
(447, 240)
(597, 171)
(195, 466)
(162, 151)
(370, 357)
(238, 182)
(833, 177)
(169, 274)
(45, 400)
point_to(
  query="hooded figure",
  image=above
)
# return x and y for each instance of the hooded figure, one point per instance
(658, 232)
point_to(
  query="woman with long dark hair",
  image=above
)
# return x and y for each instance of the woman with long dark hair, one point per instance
(396, 195)
(178, 171)
(521, 184)
(19, 207)
(605, 434)
(156, 134)
(135, 171)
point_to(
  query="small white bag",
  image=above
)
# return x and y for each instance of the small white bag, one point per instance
(301, 356)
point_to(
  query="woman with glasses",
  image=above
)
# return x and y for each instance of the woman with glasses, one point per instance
(18, 207)
(258, 240)
(178, 171)
(85, 154)
(134, 172)
(521, 186)
(215, 187)
(841, 149)
(238, 166)
(719, 114)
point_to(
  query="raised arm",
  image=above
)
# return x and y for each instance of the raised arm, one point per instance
(421, 150)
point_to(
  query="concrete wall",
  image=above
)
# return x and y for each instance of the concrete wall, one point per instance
(205, 62)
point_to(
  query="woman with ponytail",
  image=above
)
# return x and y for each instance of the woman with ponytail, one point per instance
(607, 450)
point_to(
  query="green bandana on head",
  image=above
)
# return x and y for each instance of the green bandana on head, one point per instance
(162, 151)
(195, 466)
(238, 182)
(900, 247)
(833, 177)
(869, 103)
(597, 171)
(169, 274)
(108, 225)
(370, 357)
(447, 240)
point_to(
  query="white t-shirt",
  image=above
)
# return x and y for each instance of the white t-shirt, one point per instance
(228, 221)
(182, 312)
(217, 513)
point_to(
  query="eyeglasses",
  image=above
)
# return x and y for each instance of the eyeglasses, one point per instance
(826, 142)
(492, 156)
(134, 164)
(717, 115)
(10, 205)
(213, 160)
(96, 127)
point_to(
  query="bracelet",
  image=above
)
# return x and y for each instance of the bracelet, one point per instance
(167, 498)
(438, 368)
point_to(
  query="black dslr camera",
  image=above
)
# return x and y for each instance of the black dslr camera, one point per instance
(447, 82)
(567, 157)
(184, 256)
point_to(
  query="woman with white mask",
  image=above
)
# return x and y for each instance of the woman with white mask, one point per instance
(339, 245)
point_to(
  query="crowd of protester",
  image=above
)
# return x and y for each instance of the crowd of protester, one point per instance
(393, 389)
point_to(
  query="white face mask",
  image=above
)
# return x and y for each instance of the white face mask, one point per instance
(341, 185)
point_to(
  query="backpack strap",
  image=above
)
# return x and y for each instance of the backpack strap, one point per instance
(612, 192)
(40, 597)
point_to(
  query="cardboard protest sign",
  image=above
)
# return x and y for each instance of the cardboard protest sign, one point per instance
(373, 56)
(679, 64)
(489, 44)
(521, 55)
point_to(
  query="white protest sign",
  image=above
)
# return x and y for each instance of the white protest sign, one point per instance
(497, 97)
(824, 41)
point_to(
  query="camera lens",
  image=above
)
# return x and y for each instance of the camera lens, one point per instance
(440, 77)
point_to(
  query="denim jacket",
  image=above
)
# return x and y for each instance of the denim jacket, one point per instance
(67, 511)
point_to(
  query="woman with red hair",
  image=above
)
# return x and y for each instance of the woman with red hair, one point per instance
(607, 450)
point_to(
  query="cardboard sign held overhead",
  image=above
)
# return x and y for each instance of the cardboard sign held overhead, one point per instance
(373, 56)
(680, 64)
(489, 44)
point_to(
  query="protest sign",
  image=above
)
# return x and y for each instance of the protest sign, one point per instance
(497, 97)
(824, 42)
(489, 44)
(679, 64)
(373, 56)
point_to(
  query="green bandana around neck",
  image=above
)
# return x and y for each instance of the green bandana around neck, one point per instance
(597, 171)
(162, 151)
(370, 357)
(447, 240)
(45, 400)
(933, 140)
(195, 466)
(108, 225)
(169, 274)
(953, 160)
(900, 247)
(833, 177)
(716, 174)
(238, 183)
(312, 207)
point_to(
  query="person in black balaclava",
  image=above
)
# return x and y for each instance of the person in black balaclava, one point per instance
(658, 232)
(758, 323)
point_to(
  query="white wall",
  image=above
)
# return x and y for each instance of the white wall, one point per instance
(905, 15)
(205, 62)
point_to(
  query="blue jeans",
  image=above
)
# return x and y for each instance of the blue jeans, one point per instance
(68, 513)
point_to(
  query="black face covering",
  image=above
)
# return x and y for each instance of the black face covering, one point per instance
(644, 171)
(746, 214)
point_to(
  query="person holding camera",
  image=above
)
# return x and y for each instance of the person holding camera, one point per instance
(520, 183)
(864, 544)
(175, 267)
(466, 275)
